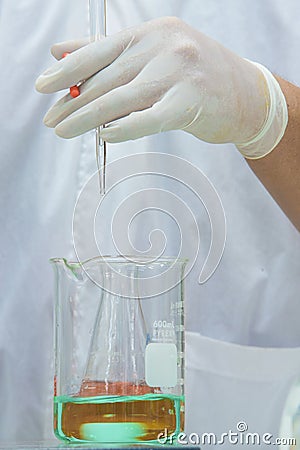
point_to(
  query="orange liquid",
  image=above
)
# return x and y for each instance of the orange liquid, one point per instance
(117, 412)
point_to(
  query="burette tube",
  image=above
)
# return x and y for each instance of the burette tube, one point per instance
(97, 19)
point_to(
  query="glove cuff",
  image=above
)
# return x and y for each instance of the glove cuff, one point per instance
(275, 124)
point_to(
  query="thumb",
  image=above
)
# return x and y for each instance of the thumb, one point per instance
(173, 112)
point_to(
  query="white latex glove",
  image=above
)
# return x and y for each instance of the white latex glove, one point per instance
(164, 75)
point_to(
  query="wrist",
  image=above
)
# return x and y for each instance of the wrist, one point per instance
(273, 128)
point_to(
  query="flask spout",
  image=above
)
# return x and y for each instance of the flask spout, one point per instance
(69, 270)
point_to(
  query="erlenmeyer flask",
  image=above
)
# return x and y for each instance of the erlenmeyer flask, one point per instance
(115, 363)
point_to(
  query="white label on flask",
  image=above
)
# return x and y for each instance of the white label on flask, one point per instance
(161, 365)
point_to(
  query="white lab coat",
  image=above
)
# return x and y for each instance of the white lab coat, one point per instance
(243, 338)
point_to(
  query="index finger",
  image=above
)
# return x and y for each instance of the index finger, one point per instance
(57, 50)
(83, 63)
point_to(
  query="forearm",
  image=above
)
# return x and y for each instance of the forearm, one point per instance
(279, 171)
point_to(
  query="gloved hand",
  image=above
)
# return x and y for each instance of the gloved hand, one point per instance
(164, 75)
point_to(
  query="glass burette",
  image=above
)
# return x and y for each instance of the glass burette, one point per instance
(97, 19)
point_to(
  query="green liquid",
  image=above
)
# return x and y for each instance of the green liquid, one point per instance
(118, 419)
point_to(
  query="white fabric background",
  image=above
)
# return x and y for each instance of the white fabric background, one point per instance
(252, 299)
